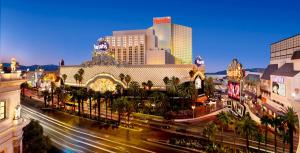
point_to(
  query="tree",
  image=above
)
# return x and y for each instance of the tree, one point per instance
(224, 120)
(119, 89)
(127, 79)
(275, 122)
(83, 98)
(144, 85)
(107, 97)
(265, 120)
(133, 90)
(45, 94)
(247, 127)
(191, 73)
(79, 96)
(76, 77)
(23, 86)
(122, 76)
(166, 81)
(64, 77)
(58, 93)
(119, 106)
(209, 87)
(210, 133)
(53, 86)
(291, 120)
(128, 109)
(149, 84)
(259, 137)
(97, 96)
(35, 141)
(160, 101)
(90, 94)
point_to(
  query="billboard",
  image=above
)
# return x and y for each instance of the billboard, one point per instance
(278, 88)
(234, 90)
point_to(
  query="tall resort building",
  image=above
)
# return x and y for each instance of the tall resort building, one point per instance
(11, 123)
(162, 43)
(280, 84)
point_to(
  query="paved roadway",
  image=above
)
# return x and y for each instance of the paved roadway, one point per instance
(71, 138)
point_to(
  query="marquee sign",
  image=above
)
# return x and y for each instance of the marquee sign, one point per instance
(162, 20)
(235, 71)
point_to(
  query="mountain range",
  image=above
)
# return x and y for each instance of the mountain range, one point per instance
(49, 67)
(250, 69)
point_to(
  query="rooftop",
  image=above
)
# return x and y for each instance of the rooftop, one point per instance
(286, 70)
(268, 71)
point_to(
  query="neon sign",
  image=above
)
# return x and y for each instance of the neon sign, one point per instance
(161, 20)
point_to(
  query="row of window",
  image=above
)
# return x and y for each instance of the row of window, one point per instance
(2, 110)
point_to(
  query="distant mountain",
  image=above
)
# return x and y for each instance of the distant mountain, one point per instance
(49, 67)
(251, 70)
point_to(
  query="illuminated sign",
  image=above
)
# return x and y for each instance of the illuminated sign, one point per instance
(235, 71)
(101, 46)
(198, 83)
(162, 20)
(234, 90)
(199, 61)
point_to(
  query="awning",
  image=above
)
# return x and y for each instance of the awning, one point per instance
(201, 99)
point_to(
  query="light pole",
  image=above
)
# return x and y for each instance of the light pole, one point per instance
(193, 107)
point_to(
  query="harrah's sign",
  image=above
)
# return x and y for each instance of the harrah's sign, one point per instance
(162, 20)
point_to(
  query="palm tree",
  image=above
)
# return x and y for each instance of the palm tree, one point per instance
(275, 122)
(45, 94)
(122, 76)
(119, 105)
(166, 81)
(149, 84)
(160, 101)
(81, 72)
(107, 97)
(259, 137)
(209, 87)
(76, 77)
(191, 73)
(58, 93)
(133, 90)
(79, 96)
(127, 79)
(64, 77)
(284, 134)
(224, 119)
(53, 86)
(265, 120)
(210, 132)
(97, 96)
(128, 109)
(90, 96)
(119, 89)
(80, 78)
(23, 86)
(291, 120)
(246, 127)
(144, 85)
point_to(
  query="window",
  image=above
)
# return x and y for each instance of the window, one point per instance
(2, 110)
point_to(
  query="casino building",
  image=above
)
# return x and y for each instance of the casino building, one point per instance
(163, 50)
(162, 43)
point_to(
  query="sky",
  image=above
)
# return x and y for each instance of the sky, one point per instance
(45, 31)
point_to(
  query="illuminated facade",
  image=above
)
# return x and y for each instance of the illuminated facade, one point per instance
(11, 123)
(136, 47)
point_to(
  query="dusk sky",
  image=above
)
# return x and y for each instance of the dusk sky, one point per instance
(45, 31)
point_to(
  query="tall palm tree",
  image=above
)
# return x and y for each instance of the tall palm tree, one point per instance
(122, 76)
(191, 73)
(76, 77)
(144, 85)
(128, 109)
(209, 87)
(64, 77)
(79, 96)
(224, 119)
(58, 93)
(53, 86)
(210, 132)
(275, 122)
(107, 97)
(97, 96)
(160, 101)
(186, 91)
(90, 96)
(247, 127)
(265, 120)
(133, 90)
(119, 90)
(283, 130)
(291, 120)
(127, 79)
(45, 94)
(149, 84)
(119, 106)
(83, 98)
(259, 137)
(166, 81)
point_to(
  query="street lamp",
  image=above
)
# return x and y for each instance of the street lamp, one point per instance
(153, 105)
(193, 107)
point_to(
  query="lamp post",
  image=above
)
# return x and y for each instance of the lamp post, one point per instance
(193, 107)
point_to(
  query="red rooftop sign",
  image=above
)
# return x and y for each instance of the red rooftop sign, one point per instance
(162, 20)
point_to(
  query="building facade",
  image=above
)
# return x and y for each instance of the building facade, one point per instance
(137, 47)
(11, 123)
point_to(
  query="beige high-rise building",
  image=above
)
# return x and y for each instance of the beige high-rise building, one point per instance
(172, 42)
